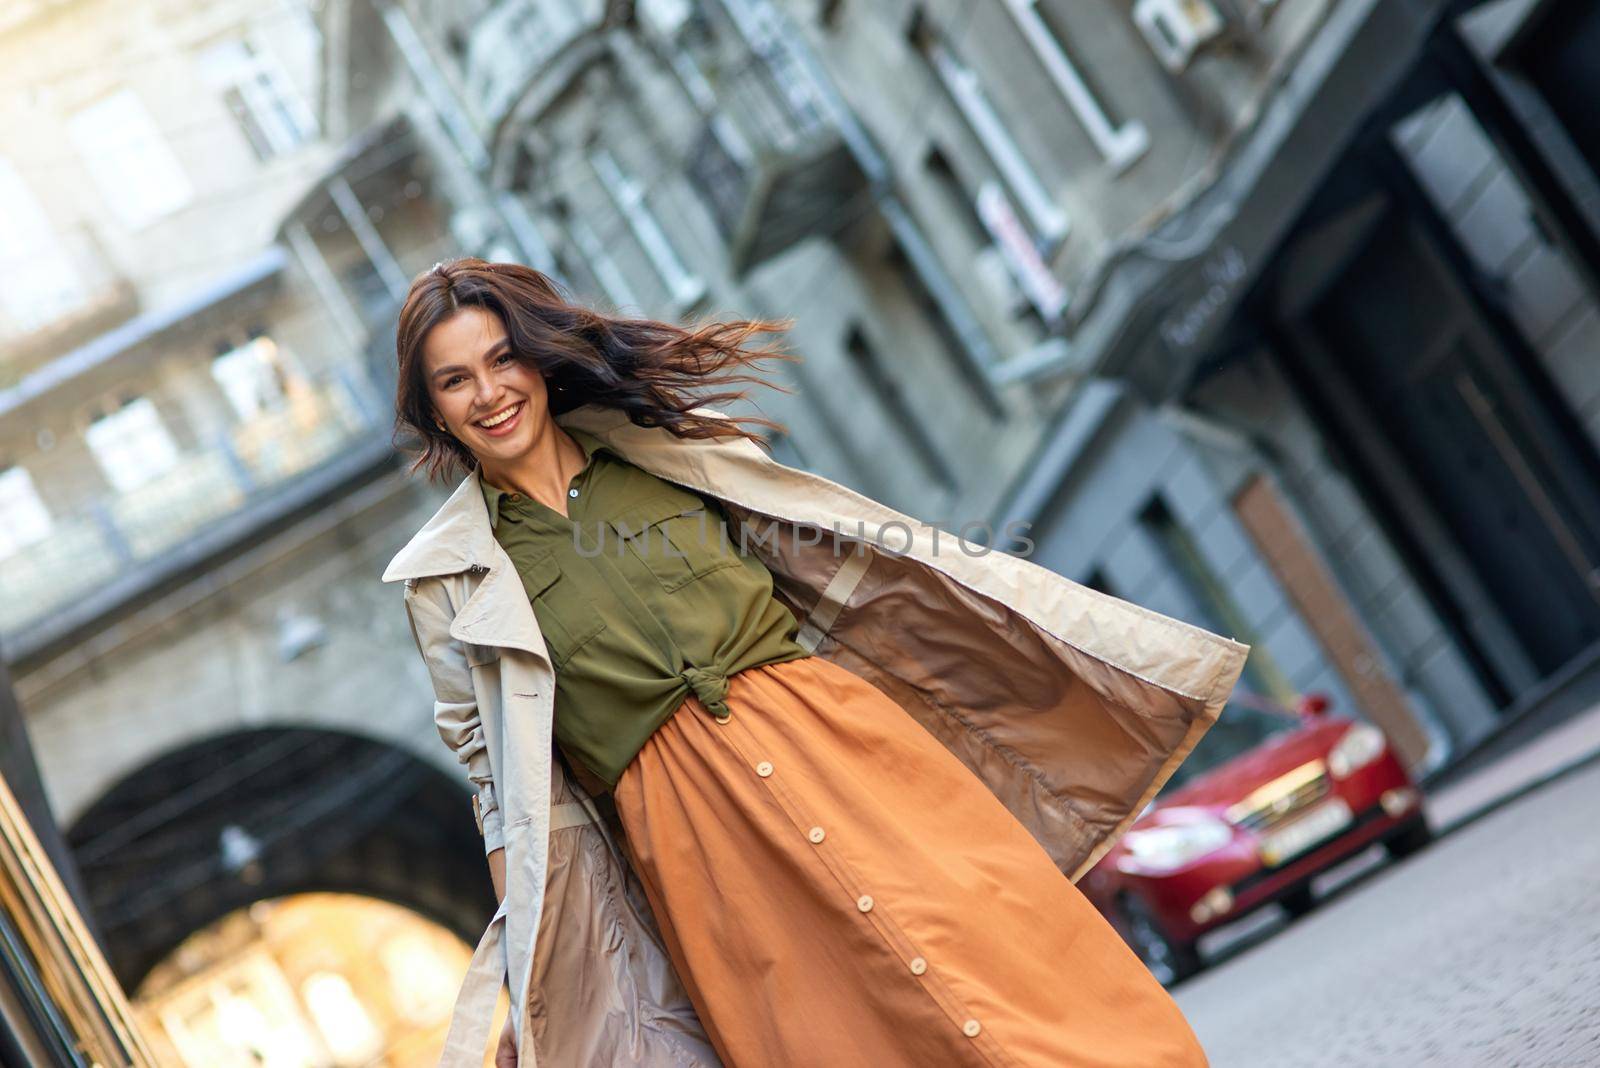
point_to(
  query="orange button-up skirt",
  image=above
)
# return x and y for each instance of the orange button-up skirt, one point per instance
(835, 888)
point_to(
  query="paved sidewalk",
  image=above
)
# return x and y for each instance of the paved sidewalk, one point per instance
(1544, 757)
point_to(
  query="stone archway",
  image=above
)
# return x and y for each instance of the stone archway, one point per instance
(229, 820)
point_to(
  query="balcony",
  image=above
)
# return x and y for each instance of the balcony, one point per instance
(99, 554)
(771, 165)
(69, 294)
(507, 48)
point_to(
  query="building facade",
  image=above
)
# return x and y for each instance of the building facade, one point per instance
(1370, 364)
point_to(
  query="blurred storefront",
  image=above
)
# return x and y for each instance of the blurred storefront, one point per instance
(308, 981)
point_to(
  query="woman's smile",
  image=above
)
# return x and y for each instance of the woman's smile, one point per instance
(502, 422)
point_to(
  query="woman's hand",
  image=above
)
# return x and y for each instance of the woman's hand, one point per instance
(505, 1054)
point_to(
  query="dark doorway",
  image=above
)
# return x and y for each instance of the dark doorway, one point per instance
(1444, 396)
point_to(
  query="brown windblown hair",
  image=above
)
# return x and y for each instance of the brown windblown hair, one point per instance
(640, 366)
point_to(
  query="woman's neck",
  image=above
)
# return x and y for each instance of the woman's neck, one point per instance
(543, 472)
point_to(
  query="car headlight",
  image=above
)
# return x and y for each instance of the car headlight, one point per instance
(1176, 844)
(1360, 746)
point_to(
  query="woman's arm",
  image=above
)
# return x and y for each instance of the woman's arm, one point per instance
(455, 711)
(497, 873)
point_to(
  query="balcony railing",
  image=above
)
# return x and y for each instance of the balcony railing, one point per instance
(108, 538)
(770, 163)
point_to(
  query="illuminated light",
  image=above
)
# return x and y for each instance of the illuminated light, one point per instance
(340, 1016)
(1218, 901)
(1398, 800)
(1360, 746)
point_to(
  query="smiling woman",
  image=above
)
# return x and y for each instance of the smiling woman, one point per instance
(826, 856)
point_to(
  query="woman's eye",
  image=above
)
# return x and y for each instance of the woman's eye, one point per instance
(505, 357)
(452, 381)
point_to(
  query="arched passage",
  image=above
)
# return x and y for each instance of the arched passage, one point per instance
(236, 818)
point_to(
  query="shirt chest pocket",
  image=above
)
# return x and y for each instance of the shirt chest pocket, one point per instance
(567, 620)
(676, 537)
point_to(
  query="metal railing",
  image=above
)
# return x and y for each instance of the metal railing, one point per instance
(106, 538)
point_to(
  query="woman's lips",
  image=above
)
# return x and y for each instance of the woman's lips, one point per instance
(502, 429)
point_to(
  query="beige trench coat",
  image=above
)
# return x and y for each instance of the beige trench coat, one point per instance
(1072, 706)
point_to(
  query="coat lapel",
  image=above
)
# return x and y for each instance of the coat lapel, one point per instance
(457, 540)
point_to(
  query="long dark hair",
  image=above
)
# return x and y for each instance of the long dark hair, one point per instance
(640, 366)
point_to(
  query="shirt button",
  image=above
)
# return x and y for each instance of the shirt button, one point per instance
(864, 902)
(723, 719)
(816, 834)
(918, 965)
(764, 768)
(971, 1028)
(572, 493)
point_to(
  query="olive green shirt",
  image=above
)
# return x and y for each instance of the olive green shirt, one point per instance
(643, 597)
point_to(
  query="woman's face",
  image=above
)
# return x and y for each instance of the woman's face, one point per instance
(491, 402)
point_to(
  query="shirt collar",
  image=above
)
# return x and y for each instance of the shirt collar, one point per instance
(493, 495)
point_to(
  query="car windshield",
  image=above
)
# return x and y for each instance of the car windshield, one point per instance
(1246, 721)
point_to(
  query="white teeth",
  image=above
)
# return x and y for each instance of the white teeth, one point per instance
(497, 420)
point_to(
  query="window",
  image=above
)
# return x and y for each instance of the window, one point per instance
(966, 91)
(252, 376)
(1008, 259)
(37, 282)
(628, 193)
(665, 17)
(129, 159)
(269, 111)
(24, 519)
(1119, 145)
(939, 168)
(132, 445)
(891, 397)
(596, 262)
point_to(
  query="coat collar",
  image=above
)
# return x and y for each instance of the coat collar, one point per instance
(460, 536)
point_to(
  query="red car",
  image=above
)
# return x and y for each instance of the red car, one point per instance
(1267, 799)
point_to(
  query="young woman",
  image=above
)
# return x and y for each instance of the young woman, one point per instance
(849, 761)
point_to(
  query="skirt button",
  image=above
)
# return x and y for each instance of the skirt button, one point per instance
(971, 1028)
(816, 834)
(918, 965)
(864, 902)
(764, 768)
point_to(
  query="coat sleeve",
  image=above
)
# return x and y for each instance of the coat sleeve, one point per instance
(455, 705)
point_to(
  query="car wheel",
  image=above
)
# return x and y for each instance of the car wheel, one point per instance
(1298, 901)
(1409, 839)
(1169, 960)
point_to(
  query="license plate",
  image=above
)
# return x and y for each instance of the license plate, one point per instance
(1320, 823)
